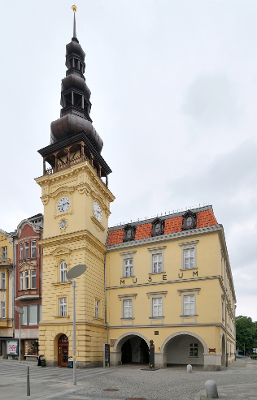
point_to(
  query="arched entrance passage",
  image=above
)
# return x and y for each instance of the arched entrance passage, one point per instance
(132, 348)
(63, 349)
(184, 348)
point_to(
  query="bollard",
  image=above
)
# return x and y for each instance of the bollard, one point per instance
(211, 389)
(189, 368)
(28, 386)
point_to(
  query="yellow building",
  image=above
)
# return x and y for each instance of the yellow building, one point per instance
(76, 210)
(6, 290)
(169, 280)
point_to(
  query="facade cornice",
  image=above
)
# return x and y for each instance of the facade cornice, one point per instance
(226, 256)
(71, 237)
(164, 238)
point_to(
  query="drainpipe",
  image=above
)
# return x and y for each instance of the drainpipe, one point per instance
(105, 310)
(13, 285)
(226, 344)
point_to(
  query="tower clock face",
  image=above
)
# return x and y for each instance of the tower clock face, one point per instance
(64, 204)
(97, 211)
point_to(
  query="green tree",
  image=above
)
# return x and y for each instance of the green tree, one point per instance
(246, 333)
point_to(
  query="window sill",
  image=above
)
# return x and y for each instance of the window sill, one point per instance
(60, 316)
(124, 277)
(193, 357)
(161, 317)
(3, 289)
(60, 283)
(189, 316)
(98, 319)
(157, 273)
(187, 269)
(126, 319)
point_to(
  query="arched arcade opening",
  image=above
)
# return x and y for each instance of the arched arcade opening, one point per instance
(132, 348)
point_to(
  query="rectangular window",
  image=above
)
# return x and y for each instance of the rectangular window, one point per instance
(97, 308)
(157, 307)
(128, 267)
(2, 309)
(26, 250)
(3, 283)
(189, 304)
(63, 307)
(39, 312)
(193, 351)
(127, 308)
(33, 249)
(157, 263)
(33, 315)
(24, 316)
(33, 274)
(21, 280)
(189, 258)
(26, 280)
(4, 253)
(21, 251)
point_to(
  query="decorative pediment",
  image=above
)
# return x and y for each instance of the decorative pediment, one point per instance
(26, 266)
(62, 191)
(189, 220)
(60, 251)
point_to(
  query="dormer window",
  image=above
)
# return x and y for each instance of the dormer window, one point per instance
(189, 220)
(157, 227)
(129, 233)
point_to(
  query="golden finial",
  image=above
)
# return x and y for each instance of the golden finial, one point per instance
(74, 8)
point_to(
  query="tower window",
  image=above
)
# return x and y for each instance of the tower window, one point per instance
(63, 271)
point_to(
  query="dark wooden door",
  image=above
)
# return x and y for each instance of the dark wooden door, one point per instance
(62, 355)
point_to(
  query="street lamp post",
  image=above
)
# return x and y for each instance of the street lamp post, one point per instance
(73, 273)
(20, 311)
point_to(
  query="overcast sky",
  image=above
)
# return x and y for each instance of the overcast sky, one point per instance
(173, 97)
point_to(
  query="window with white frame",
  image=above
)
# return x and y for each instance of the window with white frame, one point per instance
(63, 271)
(127, 306)
(33, 315)
(33, 249)
(21, 280)
(26, 279)
(157, 307)
(63, 306)
(128, 267)
(157, 256)
(3, 280)
(188, 254)
(21, 251)
(193, 350)
(26, 250)
(33, 282)
(97, 303)
(189, 304)
(157, 263)
(128, 263)
(2, 309)
(4, 253)
(24, 316)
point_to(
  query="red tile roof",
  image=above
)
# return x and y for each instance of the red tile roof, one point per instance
(172, 225)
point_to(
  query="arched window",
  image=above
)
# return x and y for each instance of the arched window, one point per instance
(63, 271)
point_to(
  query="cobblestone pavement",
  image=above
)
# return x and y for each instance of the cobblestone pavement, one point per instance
(238, 381)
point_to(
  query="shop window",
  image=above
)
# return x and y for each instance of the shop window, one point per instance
(26, 250)
(63, 307)
(33, 249)
(33, 275)
(63, 271)
(2, 309)
(193, 350)
(31, 347)
(3, 280)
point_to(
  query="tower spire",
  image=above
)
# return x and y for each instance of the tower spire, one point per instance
(74, 8)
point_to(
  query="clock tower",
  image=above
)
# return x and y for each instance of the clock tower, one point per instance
(76, 203)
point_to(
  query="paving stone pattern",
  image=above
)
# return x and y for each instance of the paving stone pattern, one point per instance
(239, 381)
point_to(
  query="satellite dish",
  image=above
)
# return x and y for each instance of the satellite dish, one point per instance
(76, 271)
